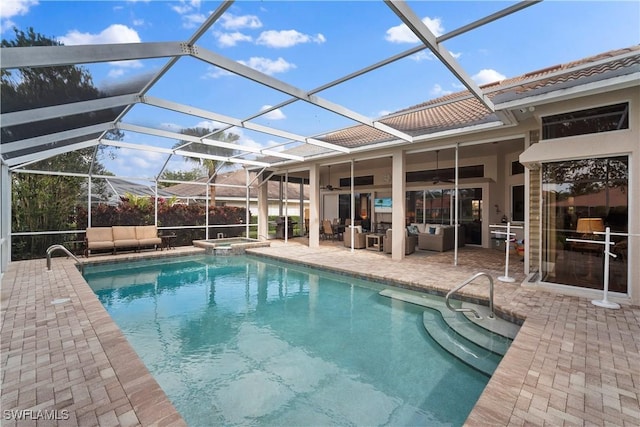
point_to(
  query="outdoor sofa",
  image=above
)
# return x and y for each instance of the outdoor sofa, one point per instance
(437, 237)
(132, 237)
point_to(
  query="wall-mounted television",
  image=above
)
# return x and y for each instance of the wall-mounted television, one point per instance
(382, 205)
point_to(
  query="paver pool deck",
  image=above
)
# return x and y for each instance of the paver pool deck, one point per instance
(572, 363)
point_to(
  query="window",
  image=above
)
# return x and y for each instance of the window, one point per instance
(517, 168)
(517, 203)
(593, 120)
(357, 181)
(447, 174)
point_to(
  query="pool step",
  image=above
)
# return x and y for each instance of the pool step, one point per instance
(480, 343)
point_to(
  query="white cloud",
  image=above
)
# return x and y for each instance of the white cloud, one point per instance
(268, 66)
(189, 11)
(138, 22)
(233, 22)
(487, 76)
(423, 55)
(6, 25)
(427, 55)
(215, 72)
(276, 114)
(186, 6)
(437, 90)
(287, 38)
(114, 73)
(384, 113)
(210, 124)
(231, 39)
(402, 34)
(192, 20)
(138, 162)
(11, 8)
(115, 33)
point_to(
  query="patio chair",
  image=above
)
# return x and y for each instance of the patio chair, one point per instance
(329, 231)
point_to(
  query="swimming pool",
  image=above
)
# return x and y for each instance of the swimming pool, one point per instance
(245, 341)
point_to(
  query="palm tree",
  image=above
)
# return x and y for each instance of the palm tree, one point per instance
(210, 165)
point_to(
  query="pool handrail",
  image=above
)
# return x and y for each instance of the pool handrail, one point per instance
(51, 249)
(465, 283)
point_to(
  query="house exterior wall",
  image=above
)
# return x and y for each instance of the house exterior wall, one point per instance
(615, 143)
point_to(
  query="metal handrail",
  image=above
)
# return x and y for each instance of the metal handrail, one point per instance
(465, 283)
(51, 249)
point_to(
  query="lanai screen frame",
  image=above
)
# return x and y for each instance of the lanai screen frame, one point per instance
(45, 146)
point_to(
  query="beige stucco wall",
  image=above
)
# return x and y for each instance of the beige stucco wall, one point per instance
(622, 142)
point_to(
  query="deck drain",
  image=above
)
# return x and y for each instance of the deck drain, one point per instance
(60, 300)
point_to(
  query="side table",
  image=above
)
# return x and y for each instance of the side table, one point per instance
(374, 242)
(167, 241)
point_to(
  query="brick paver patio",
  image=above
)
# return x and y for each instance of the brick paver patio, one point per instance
(571, 364)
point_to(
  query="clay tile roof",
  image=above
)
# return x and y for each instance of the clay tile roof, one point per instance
(461, 109)
(236, 177)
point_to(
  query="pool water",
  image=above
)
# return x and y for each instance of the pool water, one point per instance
(245, 341)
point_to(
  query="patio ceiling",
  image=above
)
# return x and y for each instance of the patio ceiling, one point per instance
(291, 146)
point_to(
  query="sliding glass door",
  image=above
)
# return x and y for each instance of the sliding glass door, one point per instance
(581, 197)
(435, 206)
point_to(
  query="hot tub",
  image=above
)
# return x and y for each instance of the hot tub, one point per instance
(230, 246)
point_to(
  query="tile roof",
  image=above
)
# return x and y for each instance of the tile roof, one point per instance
(461, 109)
(236, 177)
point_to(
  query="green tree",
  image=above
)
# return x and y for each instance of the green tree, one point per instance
(210, 165)
(48, 202)
(186, 176)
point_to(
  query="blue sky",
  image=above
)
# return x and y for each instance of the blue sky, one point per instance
(307, 44)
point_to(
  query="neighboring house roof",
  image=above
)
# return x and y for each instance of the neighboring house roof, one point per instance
(461, 109)
(237, 177)
(117, 188)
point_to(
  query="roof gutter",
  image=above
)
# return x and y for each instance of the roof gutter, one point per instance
(615, 83)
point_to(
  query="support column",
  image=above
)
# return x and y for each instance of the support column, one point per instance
(5, 218)
(314, 206)
(263, 209)
(398, 216)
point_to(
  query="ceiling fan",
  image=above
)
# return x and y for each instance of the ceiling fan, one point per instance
(329, 187)
(436, 179)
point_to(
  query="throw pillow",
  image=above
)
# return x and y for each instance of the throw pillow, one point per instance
(420, 227)
(432, 230)
(413, 230)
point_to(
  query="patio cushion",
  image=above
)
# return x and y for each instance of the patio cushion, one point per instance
(99, 238)
(99, 234)
(124, 236)
(147, 235)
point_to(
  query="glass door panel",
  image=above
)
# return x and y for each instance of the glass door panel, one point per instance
(582, 197)
(471, 214)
